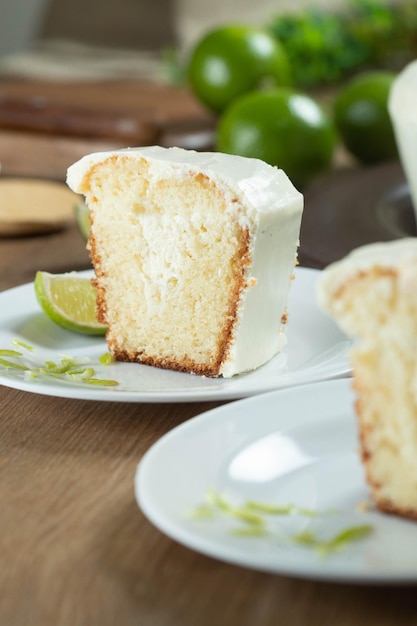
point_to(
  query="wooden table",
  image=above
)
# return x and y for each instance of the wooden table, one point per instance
(76, 550)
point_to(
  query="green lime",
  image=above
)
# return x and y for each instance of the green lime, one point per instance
(283, 128)
(231, 60)
(82, 218)
(362, 117)
(69, 300)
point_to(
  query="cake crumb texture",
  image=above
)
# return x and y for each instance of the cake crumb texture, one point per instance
(373, 296)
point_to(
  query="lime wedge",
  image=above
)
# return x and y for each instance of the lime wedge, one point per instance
(82, 218)
(69, 300)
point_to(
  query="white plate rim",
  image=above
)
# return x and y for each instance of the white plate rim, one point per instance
(213, 390)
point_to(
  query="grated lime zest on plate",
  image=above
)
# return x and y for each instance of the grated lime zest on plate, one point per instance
(70, 369)
(335, 543)
(254, 516)
(241, 513)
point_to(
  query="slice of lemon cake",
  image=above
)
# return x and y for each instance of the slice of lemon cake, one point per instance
(193, 255)
(372, 293)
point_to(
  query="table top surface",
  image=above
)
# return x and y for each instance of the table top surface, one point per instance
(76, 549)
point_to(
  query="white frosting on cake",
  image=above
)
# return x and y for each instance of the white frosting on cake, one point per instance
(402, 106)
(402, 98)
(272, 209)
(263, 187)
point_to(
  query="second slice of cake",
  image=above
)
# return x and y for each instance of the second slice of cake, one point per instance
(193, 255)
(372, 293)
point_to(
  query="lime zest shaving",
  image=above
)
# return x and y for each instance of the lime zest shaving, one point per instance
(54, 368)
(270, 509)
(286, 509)
(337, 542)
(241, 513)
(69, 369)
(104, 383)
(22, 344)
(251, 511)
(203, 511)
(10, 353)
(11, 365)
(106, 359)
(86, 373)
(250, 531)
(254, 516)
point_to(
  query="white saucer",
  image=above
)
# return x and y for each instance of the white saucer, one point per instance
(295, 446)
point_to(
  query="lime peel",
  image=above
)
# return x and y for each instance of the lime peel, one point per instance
(106, 359)
(22, 344)
(104, 383)
(10, 353)
(11, 365)
(241, 513)
(337, 542)
(250, 531)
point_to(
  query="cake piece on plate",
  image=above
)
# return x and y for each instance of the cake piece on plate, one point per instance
(372, 293)
(193, 255)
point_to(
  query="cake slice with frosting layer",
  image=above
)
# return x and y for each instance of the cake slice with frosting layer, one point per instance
(193, 255)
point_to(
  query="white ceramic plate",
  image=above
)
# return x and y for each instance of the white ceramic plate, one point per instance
(316, 350)
(295, 446)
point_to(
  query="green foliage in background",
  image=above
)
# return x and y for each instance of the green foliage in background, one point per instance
(324, 47)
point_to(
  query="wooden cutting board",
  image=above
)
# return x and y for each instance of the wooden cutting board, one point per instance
(46, 126)
(32, 205)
